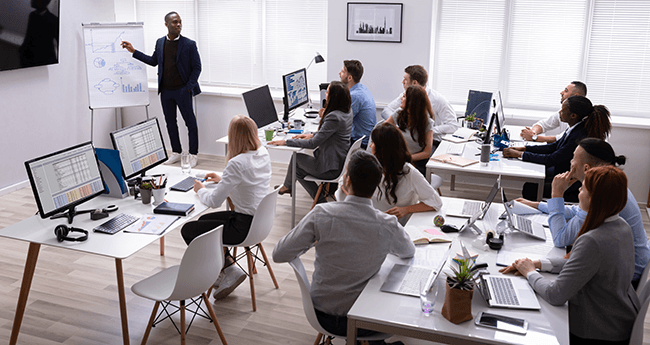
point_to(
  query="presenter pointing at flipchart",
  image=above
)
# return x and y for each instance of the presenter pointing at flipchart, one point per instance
(179, 66)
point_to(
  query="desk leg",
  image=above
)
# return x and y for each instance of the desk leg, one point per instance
(122, 296)
(162, 246)
(25, 286)
(352, 332)
(452, 183)
(540, 190)
(293, 190)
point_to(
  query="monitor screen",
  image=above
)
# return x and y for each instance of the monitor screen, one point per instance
(260, 107)
(478, 104)
(64, 179)
(141, 147)
(295, 88)
(498, 109)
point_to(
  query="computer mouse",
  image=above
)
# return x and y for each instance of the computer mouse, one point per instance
(448, 228)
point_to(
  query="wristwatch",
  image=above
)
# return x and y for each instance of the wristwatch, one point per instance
(534, 137)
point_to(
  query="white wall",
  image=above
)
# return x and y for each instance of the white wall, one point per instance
(43, 109)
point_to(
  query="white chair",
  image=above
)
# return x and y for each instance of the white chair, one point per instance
(643, 282)
(636, 338)
(260, 229)
(327, 183)
(308, 306)
(199, 268)
(436, 183)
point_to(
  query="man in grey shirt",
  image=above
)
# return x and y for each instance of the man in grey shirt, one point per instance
(351, 238)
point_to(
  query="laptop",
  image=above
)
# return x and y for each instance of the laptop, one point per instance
(467, 209)
(507, 292)
(405, 279)
(520, 223)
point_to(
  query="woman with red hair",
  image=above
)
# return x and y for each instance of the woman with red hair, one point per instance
(595, 277)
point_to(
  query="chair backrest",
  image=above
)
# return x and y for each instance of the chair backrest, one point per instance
(200, 266)
(436, 181)
(643, 281)
(307, 304)
(636, 338)
(355, 146)
(262, 220)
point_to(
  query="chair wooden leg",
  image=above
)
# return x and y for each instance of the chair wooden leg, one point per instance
(318, 338)
(150, 324)
(268, 266)
(214, 319)
(183, 340)
(162, 246)
(328, 341)
(249, 256)
(320, 189)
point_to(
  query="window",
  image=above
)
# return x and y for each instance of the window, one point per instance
(532, 49)
(245, 42)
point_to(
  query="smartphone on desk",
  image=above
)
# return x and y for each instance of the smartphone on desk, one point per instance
(501, 322)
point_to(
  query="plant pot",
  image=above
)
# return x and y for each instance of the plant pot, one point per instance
(458, 305)
(146, 196)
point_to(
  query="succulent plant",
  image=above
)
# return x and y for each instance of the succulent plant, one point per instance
(145, 185)
(464, 276)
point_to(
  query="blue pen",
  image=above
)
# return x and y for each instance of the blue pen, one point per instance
(457, 136)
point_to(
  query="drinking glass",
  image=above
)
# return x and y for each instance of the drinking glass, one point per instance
(186, 163)
(428, 296)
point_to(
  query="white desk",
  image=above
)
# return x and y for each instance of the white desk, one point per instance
(401, 315)
(511, 170)
(309, 127)
(119, 246)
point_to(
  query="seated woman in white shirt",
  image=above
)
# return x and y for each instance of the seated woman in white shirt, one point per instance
(415, 120)
(595, 277)
(403, 190)
(246, 180)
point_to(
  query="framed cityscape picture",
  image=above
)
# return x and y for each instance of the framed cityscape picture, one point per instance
(375, 22)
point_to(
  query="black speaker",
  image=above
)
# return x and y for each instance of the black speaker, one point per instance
(62, 231)
(494, 242)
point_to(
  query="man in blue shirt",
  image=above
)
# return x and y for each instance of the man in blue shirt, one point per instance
(364, 112)
(565, 221)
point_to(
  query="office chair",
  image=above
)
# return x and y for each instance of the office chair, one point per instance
(310, 313)
(199, 268)
(636, 338)
(326, 183)
(260, 229)
(436, 183)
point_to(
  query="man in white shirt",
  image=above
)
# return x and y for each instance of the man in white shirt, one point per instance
(351, 239)
(532, 134)
(445, 116)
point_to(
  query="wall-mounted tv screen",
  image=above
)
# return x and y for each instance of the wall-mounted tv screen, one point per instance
(29, 33)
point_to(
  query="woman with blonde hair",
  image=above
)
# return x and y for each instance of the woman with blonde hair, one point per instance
(246, 180)
(595, 277)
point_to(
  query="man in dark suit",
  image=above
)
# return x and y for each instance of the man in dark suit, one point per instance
(179, 66)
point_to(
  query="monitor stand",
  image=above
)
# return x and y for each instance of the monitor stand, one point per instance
(70, 213)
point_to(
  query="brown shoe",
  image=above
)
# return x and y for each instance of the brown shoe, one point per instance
(283, 190)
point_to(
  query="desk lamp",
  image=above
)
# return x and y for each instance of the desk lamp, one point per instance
(318, 58)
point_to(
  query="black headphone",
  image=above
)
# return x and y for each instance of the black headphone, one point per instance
(61, 232)
(493, 242)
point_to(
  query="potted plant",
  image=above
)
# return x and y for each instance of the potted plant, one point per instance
(145, 192)
(459, 292)
(473, 122)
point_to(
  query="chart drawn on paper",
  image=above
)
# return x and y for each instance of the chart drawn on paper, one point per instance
(102, 44)
(124, 67)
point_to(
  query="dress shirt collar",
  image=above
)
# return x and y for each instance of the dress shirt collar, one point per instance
(175, 39)
(358, 200)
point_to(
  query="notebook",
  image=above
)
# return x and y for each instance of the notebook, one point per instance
(455, 160)
(507, 292)
(520, 223)
(405, 279)
(174, 208)
(466, 209)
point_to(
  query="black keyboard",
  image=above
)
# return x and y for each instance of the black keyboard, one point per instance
(184, 185)
(116, 223)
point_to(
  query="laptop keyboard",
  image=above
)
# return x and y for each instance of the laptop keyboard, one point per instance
(504, 291)
(116, 223)
(184, 185)
(471, 207)
(524, 224)
(455, 149)
(411, 283)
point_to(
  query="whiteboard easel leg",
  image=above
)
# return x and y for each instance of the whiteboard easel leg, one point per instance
(92, 117)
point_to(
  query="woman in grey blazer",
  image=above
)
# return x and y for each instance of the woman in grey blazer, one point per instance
(331, 141)
(595, 277)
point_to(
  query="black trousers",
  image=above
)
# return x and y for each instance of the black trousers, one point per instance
(575, 340)
(183, 100)
(235, 226)
(338, 325)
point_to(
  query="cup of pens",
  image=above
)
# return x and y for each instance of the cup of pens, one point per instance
(158, 189)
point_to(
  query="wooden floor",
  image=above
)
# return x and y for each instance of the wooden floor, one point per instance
(74, 299)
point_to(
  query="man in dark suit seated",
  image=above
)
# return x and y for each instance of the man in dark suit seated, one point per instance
(179, 66)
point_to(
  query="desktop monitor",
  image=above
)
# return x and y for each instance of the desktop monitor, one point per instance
(295, 89)
(260, 107)
(489, 131)
(141, 147)
(478, 104)
(498, 109)
(65, 179)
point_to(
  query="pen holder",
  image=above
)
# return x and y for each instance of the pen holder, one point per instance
(158, 196)
(485, 154)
